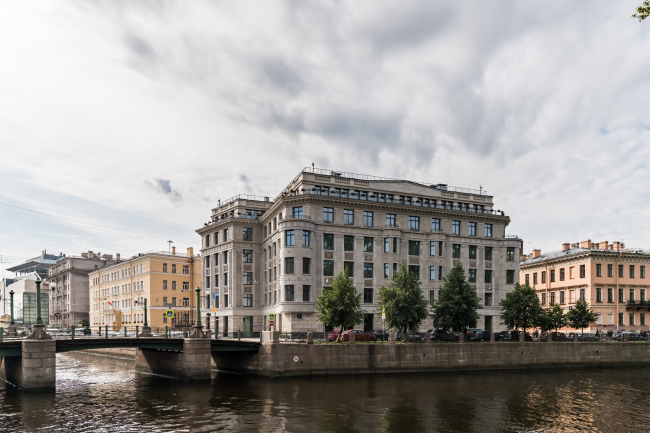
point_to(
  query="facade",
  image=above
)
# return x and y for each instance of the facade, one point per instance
(28, 269)
(24, 288)
(165, 279)
(68, 287)
(611, 278)
(264, 256)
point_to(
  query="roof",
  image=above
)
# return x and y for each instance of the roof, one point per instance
(555, 255)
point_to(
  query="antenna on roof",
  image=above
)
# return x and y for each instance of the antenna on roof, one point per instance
(170, 245)
(480, 189)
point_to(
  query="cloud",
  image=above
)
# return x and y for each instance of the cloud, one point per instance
(164, 187)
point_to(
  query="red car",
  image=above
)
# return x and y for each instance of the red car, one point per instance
(332, 335)
(358, 335)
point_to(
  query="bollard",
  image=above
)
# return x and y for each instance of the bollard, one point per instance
(626, 338)
(391, 338)
(310, 338)
(461, 337)
(575, 337)
(2, 333)
(137, 333)
(166, 331)
(601, 337)
(647, 337)
(72, 332)
(351, 339)
(493, 337)
(125, 331)
(427, 337)
(106, 331)
(99, 331)
(239, 334)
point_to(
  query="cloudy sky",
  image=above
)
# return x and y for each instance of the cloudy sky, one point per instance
(122, 123)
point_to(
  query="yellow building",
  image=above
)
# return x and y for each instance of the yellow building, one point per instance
(165, 279)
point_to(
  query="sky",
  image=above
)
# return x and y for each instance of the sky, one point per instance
(122, 123)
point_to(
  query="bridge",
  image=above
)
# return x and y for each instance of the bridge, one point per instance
(30, 363)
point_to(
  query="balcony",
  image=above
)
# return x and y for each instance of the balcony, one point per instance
(638, 305)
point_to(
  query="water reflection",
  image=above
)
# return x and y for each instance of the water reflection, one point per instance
(105, 394)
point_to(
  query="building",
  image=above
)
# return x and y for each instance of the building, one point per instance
(610, 277)
(24, 288)
(265, 256)
(166, 280)
(69, 301)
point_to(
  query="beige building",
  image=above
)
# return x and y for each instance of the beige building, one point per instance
(165, 279)
(263, 255)
(610, 277)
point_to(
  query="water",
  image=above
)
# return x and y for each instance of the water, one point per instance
(102, 394)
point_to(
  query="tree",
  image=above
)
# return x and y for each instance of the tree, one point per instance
(581, 315)
(521, 308)
(340, 305)
(403, 301)
(643, 11)
(556, 317)
(457, 304)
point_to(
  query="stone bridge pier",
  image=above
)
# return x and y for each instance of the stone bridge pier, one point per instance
(35, 370)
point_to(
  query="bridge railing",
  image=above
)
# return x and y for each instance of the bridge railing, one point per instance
(237, 335)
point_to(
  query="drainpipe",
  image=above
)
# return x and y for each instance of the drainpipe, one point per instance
(616, 294)
(548, 280)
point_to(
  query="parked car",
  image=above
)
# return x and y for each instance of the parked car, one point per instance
(381, 335)
(408, 336)
(631, 336)
(358, 335)
(587, 336)
(333, 335)
(512, 336)
(443, 335)
(475, 334)
(555, 336)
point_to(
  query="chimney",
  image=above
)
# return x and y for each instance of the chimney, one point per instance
(91, 255)
(585, 244)
(190, 252)
(174, 250)
(117, 256)
(617, 246)
(566, 247)
(603, 245)
(537, 253)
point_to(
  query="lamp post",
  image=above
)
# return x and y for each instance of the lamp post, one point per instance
(39, 321)
(11, 307)
(146, 330)
(198, 328)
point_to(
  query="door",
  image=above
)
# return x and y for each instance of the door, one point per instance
(367, 322)
(248, 326)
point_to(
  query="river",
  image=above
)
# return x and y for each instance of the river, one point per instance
(103, 394)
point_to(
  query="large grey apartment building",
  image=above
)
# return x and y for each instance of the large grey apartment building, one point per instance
(265, 256)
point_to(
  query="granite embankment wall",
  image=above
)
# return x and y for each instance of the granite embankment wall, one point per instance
(277, 359)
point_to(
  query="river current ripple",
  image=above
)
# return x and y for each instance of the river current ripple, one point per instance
(103, 394)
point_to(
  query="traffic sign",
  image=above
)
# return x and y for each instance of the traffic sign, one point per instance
(570, 307)
(271, 323)
(271, 316)
(383, 313)
(214, 310)
(214, 295)
(169, 314)
(296, 359)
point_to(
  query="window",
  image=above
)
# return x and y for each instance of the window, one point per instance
(543, 301)
(455, 251)
(631, 271)
(621, 297)
(306, 265)
(472, 229)
(610, 295)
(367, 270)
(561, 296)
(390, 220)
(349, 267)
(225, 300)
(305, 238)
(288, 293)
(225, 235)
(297, 212)
(186, 285)
(488, 254)
(561, 274)
(510, 254)
(367, 245)
(510, 276)
(348, 243)
(552, 298)
(641, 318)
(414, 270)
(582, 271)
(328, 241)
(620, 319)
(432, 248)
(207, 281)
(543, 277)
(248, 256)
(173, 269)
(534, 278)
(394, 245)
(225, 257)
(207, 261)
(414, 248)
(164, 284)
(440, 273)
(328, 268)
(642, 271)
(414, 223)
(367, 219)
(488, 276)
(288, 238)
(642, 295)
(173, 286)
(247, 233)
(599, 270)
(288, 265)
(386, 270)
(367, 296)
(207, 241)
(488, 299)
(386, 245)
(488, 230)
(620, 271)
(599, 294)
(432, 273)
(610, 270)
(216, 238)
(186, 269)
(348, 216)
(472, 252)
(471, 276)
(455, 227)
(328, 215)
(631, 319)
(432, 296)
(306, 293)
(248, 300)
(225, 278)
(631, 299)
(435, 224)
(186, 302)
(216, 280)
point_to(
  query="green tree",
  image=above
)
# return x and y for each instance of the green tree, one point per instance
(403, 301)
(457, 304)
(555, 317)
(580, 316)
(643, 11)
(521, 308)
(340, 305)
